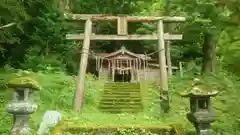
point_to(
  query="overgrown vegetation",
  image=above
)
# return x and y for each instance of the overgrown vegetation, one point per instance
(32, 37)
(58, 88)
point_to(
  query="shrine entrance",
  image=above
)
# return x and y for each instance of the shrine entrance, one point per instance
(122, 34)
(122, 77)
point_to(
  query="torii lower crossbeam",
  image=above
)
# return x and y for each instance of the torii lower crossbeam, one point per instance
(124, 37)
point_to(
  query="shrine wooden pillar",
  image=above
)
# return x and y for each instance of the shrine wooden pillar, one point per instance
(77, 105)
(122, 28)
(113, 71)
(162, 65)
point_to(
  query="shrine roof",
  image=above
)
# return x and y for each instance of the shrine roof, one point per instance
(122, 51)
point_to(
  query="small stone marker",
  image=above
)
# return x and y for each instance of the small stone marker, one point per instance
(50, 120)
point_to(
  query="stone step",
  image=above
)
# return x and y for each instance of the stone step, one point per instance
(123, 83)
(122, 86)
(102, 106)
(121, 93)
(128, 110)
(121, 89)
(127, 99)
(124, 110)
(111, 96)
(126, 85)
(121, 97)
(120, 103)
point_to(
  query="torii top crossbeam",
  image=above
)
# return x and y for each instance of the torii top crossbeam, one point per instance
(98, 17)
(122, 21)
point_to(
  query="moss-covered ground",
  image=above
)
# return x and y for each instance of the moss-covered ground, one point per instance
(58, 90)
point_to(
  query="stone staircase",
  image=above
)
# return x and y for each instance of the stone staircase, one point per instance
(118, 97)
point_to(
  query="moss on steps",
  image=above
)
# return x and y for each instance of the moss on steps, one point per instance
(65, 127)
(121, 97)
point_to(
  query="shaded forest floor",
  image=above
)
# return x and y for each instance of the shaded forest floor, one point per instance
(58, 90)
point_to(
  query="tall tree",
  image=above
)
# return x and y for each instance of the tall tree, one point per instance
(206, 20)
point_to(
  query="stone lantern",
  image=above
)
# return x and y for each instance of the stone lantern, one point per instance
(21, 106)
(201, 114)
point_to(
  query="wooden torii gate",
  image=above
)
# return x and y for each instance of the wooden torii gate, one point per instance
(122, 34)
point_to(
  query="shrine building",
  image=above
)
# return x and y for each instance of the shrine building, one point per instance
(125, 66)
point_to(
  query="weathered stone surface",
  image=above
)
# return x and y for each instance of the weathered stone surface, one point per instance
(49, 120)
(21, 108)
(24, 82)
(199, 88)
(20, 125)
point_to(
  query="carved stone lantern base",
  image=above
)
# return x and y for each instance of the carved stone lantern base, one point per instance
(203, 132)
(21, 112)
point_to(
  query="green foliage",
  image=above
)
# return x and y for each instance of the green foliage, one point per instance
(228, 49)
(12, 11)
(113, 7)
(45, 36)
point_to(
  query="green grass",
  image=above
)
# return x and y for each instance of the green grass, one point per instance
(58, 89)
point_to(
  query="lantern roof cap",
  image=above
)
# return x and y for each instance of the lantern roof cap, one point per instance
(23, 79)
(199, 89)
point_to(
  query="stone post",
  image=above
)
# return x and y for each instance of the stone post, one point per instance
(21, 106)
(201, 115)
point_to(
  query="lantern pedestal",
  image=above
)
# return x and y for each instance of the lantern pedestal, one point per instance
(21, 112)
(201, 121)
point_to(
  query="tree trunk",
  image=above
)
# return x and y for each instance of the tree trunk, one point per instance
(209, 53)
